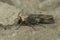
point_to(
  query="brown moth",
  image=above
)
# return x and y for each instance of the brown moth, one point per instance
(34, 19)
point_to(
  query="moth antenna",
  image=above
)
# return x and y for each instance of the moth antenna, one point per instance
(20, 12)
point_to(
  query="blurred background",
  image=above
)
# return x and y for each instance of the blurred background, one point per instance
(44, 32)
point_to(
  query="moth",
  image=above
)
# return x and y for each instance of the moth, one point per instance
(34, 19)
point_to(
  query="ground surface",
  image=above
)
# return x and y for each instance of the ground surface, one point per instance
(41, 32)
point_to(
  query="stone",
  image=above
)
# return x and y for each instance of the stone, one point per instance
(8, 14)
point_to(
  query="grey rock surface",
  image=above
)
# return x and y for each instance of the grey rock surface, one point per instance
(41, 32)
(7, 14)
